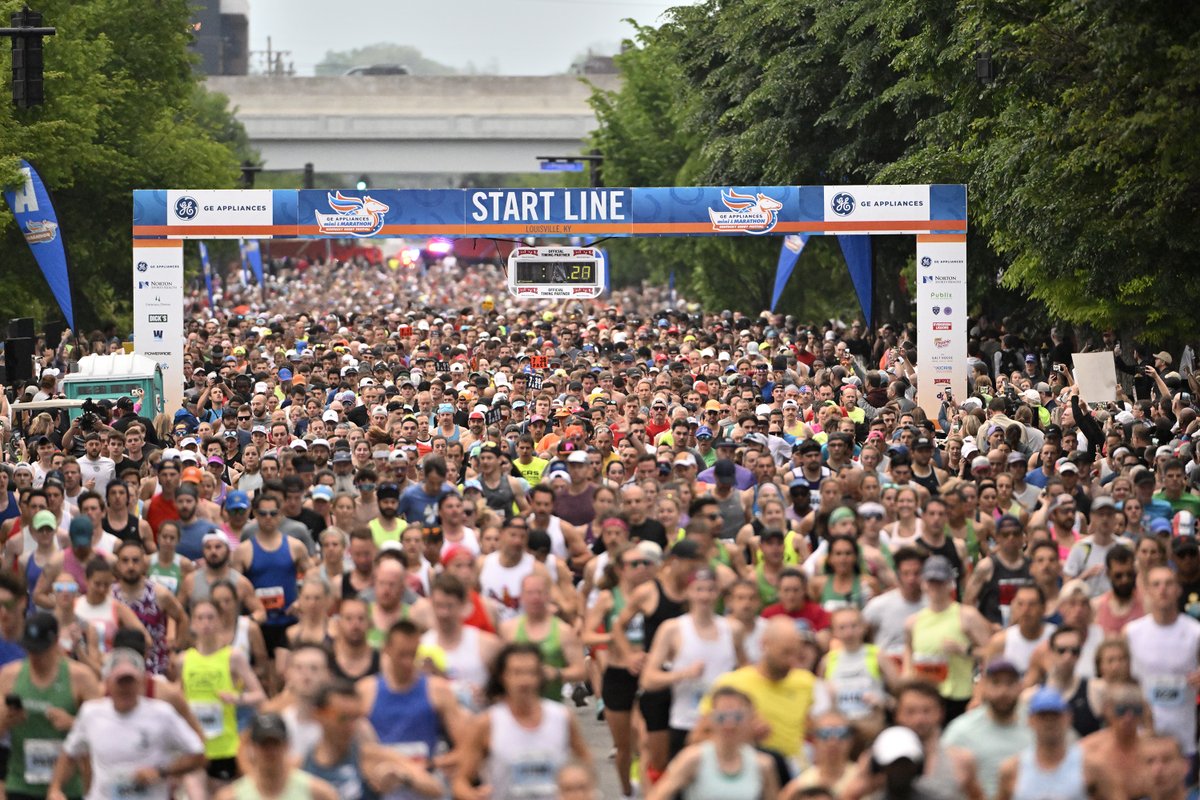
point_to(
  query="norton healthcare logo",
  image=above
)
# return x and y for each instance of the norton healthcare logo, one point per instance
(186, 208)
(842, 204)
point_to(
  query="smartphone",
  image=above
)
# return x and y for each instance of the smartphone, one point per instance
(13, 701)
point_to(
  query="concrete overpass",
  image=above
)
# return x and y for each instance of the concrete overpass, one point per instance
(423, 130)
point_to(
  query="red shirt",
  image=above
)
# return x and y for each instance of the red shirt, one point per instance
(159, 511)
(653, 428)
(816, 617)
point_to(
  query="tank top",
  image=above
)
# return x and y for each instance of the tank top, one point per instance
(168, 576)
(852, 677)
(930, 630)
(970, 540)
(32, 572)
(929, 481)
(732, 515)
(202, 588)
(11, 510)
(500, 498)
(479, 616)
(712, 783)
(832, 600)
(128, 532)
(372, 669)
(73, 567)
(1064, 782)
(297, 788)
(997, 594)
(345, 776)
(1019, 650)
(463, 667)
(273, 575)
(155, 619)
(718, 656)
(204, 677)
(1083, 719)
(101, 619)
(635, 631)
(503, 584)
(35, 742)
(524, 762)
(381, 535)
(552, 654)
(241, 639)
(665, 610)
(767, 594)
(949, 551)
(405, 721)
(558, 542)
(576, 509)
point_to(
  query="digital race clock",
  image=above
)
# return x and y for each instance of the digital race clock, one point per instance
(556, 272)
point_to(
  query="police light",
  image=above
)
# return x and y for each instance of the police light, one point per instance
(556, 272)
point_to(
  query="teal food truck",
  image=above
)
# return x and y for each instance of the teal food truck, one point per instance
(115, 376)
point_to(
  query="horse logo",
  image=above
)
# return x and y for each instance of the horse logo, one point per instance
(747, 213)
(355, 216)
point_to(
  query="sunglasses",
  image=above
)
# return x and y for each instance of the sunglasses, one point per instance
(637, 562)
(832, 733)
(1136, 709)
(268, 514)
(872, 515)
(729, 717)
(1062, 651)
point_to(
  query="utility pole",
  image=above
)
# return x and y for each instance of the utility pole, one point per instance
(26, 34)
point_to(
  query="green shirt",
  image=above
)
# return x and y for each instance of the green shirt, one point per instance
(35, 742)
(1186, 502)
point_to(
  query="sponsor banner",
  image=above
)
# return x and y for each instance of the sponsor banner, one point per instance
(33, 210)
(677, 211)
(158, 319)
(941, 292)
(220, 211)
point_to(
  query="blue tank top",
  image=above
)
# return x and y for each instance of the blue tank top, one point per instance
(32, 573)
(345, 776)
(273, 574)
(406, 719)
(11, 511)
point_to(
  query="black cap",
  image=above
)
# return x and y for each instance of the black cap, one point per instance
(923, 443)
(268, 728)
(686, 548)
(1053, 430)
(724, 442)
(41, 632)
(772, 533)
(388, 491)
(725, 471)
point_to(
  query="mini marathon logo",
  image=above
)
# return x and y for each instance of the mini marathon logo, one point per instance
(748, 213)
(356, 216)
(40, 231)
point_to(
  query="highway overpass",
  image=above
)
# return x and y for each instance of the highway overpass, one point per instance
(416, 130)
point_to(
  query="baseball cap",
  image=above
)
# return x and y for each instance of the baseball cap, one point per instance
(1059, 501)
(237, 501)
(342, 456)
(980, 462)
(923, 443)
(1103, 503)
(725, 471)
(1047, 700)
(41, 632)
(686, 548)
(268, 728)
(191, 475)
(937, 568)
(686, 458)
(387, 491)
(189, 489)
(704, 432)
(322, 492)
(896, 743)
(262, 429)
(44, 519)
(1163, 356)
(999, 666)
(1065, 465)
(840, 514)
(1181, 545)
(123, 663)
(456, 551)
(577, 457)
(80, 531)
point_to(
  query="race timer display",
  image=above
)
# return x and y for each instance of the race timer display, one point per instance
(568, 272)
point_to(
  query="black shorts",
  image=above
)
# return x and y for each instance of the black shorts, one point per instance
(656, 709)
(274, 637)
(222, 769)
(618, 689)
(5, 754)
(677, 739)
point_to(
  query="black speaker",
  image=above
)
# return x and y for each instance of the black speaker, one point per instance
(54, 331)
(21, 328)
(18, 359)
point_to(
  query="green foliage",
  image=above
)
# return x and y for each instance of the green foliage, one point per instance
(123, 111)
(337, 62)
(1080, 159)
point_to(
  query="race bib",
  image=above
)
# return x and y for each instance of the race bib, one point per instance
(124, 788)
(271, 597)
(40, 758)
(1167, 691)
(168, 582)
(211, 717)
(852, 696)
(417, 751)
(534, 776)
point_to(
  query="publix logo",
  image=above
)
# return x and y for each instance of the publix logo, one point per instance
(939, 295)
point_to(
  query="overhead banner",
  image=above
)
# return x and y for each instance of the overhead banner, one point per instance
(941, 320)
(158, 321)
(673, 211)
(31, 206)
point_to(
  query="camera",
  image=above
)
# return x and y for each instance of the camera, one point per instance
(89, 418)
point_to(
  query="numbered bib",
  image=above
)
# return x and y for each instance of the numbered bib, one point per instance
(168, 582)
(124, 788)
(40, 758)
(211, 717)
(418, 751)
(534, 776)
(852, 696)
(271, 597)
(1167, 691)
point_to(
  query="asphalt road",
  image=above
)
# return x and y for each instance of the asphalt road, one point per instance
(599, 742)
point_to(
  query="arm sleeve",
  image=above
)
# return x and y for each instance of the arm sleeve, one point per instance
(1087, 423)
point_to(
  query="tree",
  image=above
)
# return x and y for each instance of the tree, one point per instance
(338, 62)
(123, 111)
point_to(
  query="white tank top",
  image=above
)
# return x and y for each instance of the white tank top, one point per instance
(469, 540)
(503, 584)
(524, 762)
(853, 684)
(1019, 650)
(718, 656)
(558, 542)
(464, 666)
(711, 783)
(1064, 782)
(102, 619)
(1163, 655)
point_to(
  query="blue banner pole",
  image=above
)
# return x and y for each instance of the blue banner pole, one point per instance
(789, 254)
(34, 212)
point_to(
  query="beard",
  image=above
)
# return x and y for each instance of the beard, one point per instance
(389, 513)
(216, 564)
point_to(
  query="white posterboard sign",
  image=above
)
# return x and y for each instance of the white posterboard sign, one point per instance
(1096, 375)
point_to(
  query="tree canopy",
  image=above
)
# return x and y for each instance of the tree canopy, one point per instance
(336, 62)
(123, 111)
(1078, 157)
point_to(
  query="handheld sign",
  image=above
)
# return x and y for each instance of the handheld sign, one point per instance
(539, 362)
(535, 381)
(571, 272)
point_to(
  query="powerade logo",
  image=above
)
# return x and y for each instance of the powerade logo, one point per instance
(926, 261)
(186, 208)
(142, 266)
(842, 204)
(749, 213)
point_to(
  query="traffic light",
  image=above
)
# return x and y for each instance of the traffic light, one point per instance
(364, 183)
(27, 63)
(309, 178)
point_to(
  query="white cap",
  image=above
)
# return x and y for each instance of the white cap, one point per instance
(298, 444)
(896, 743)
(330, 416)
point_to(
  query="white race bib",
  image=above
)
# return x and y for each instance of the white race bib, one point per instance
(1167, 691)
(40, 758)
(534, 776)
(211, 717)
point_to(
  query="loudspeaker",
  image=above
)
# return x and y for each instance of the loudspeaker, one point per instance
(18, 359)
(54, 331)
(21, 328)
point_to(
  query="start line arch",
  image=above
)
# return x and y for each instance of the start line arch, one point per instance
(935, 213)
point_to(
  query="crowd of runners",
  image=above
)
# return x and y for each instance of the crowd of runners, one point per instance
(408, 538)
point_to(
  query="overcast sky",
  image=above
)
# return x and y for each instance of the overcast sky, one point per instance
(508, 37)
